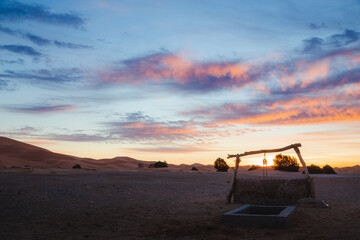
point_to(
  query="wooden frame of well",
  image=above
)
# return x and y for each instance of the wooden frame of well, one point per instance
(310, 192)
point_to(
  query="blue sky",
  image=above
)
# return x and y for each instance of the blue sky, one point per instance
(182, 81)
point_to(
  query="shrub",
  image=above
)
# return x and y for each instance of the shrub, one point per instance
(76, 166)
(221, 165)
(194, 169)
(313, 169)
(286, 163)
(158, 165)
(253, 167)
(327, 169)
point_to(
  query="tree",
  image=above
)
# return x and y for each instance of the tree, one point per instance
(254, 167)
(327, 169)
(313, 169)
(286, 163)
(221, 165)
(76, 166)
(158, 165)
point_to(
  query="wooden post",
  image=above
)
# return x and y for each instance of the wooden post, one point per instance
(302, 162)
(233, 185)
(309, 181)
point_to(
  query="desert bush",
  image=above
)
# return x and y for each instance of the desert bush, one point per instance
(327, 169)
(194, 169)
(76, 166)
(286, 163)
(253, 167)
(221, 165)
(158, 165)
(313, 169)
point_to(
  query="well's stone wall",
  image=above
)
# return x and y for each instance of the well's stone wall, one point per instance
(271, 191)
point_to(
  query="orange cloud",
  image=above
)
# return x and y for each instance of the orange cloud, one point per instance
(159, 67)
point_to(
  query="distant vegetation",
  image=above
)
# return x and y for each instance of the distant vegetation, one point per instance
(158, 165)
(76, 166)
(194, 169)
(221, 165)
(314, 169)
(327, 169)
(286, 163)
(253, 167)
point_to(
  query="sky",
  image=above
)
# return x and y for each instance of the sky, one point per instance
(182, 81)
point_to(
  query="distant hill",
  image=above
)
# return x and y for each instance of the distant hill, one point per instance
(18, 154)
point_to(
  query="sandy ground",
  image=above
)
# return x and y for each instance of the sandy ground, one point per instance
(157, 205)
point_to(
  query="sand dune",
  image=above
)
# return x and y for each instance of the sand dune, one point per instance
(21, 155)
(17, 154)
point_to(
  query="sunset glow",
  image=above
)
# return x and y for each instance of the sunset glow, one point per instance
(182, 81)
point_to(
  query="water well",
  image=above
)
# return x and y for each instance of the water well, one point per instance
(258, 216)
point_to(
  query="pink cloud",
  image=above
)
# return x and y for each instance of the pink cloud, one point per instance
(165, 67)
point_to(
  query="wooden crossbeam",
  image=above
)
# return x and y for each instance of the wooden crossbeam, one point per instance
(296, 145)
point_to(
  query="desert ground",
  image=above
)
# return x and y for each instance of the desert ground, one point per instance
(157, 204)
(43, 197)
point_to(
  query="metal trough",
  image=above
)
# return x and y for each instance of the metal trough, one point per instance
(258, 216)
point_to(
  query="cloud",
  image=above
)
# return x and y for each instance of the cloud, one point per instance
(349, 36)
(317, 26)
(144, 127)
(181, 72)
(70, 45)
(176, 72)
(21, 49)
(17, 61)
(16, 11)
(77, 138)
(38, 40)
(313, 45)
(316, 45)
(40, 108)
(59, 75)
(138, 127)
(8, 31)
(342, 79)
(3, 85)
(179, 149)
(37, 134)
(287, 110)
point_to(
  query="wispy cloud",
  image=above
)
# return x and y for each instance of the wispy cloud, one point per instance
(35, 109)
(8, 31)
(316, 45)
(16, 11)
(21, 49)
(78, 137)
(59, 75)
(137, 126)
(3, 84)
(17, 61)
(37, 40)
(41, 41)
(179, 149)
(39, 135)
(317, 26)
(70, 45)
